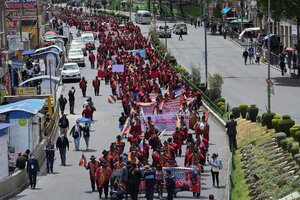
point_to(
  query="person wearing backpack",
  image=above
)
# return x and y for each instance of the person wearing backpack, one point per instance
(170, 183)
(76, 134)
(216, 166)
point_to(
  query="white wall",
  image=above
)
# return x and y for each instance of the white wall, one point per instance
(19, 135)
(3, 156)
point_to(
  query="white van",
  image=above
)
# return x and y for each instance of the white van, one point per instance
(143, 17)
(88, 37)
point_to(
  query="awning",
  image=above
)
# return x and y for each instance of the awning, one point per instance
(4, 125)
(28, 52)
(240, 21)
(31, 106)
(43, 77)
(226, 10)
(248, 30)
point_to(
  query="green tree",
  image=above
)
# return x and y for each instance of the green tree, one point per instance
(217, 11)
(215, 86)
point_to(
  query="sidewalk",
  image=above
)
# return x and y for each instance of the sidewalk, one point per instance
(242, 84)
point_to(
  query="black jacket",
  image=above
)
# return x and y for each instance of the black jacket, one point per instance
(62, 142)
(63, 123)
(33, 166)
(73, 132)
(231, 127)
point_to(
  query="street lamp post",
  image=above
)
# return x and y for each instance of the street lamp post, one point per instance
(205, 41)
(269, 55)
(130, 10)
(166, 41)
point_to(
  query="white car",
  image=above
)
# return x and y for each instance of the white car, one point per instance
(70, 71)
(76, 55)
(78, 43)
(88, 37)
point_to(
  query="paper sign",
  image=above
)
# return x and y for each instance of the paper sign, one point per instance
(118, 68)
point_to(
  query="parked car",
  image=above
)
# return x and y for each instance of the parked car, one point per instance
(178, 27)
(164, 33)
(76, 55)
(143, 17)
(70, 71)
(77, 43)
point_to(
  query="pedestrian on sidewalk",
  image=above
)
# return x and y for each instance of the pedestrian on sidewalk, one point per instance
(149, 177)
(245, 56)
(92, 59)
(282, 64)
(92, 166)
(32, 169)
(62, 143)
(96, 85)
(251, 53)
(62, 103)
(86, 135)
(170, 183)
(231, 132)
(76, 134)
(180, 34)
(50, 154)
(257, 57)
(216, 166)
(83, 85)
(63, 123)
(71, 95)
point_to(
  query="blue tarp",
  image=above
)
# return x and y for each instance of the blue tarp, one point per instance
(4, 126)
(28, 52)
(226, 10)
(31, 106)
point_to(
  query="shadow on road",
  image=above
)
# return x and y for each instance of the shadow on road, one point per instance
(286, 81)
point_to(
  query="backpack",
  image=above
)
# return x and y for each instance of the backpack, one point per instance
(75, 134)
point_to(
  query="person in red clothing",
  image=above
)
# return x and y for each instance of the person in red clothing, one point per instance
(171, 162)
(87, 113)
(92, 166)
(92, 59)
(96, 85)
(195, 178)
(82, 86)
(102, 177)
(150, 128)
(134, 139)
(120, 164)
(178, 140)
(194, 157)
(119, 145)
(136, 124)
(183, 128)
(170, 151)
(156, 157)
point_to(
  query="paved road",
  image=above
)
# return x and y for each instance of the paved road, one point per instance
(242, 84)
(72, 181)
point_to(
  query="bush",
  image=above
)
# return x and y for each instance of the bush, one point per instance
(294, 150)
(297, 137)
(280, 136)
(284, 144)
(219, 100)
(236, 112)
(293, 130)
(181, 70)
(243, 109)
(275, 121)
(222, 108)
(215, 82)
(253, 112)
(284, 125)
(296, 156)
(220, 104)
(267, 119)
(258, 119)
(286, 117)
(289, 145)
(195, 73)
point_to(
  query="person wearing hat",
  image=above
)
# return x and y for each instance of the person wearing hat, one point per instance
(120, 163)
(194, 176)
(149, 177)
(104, 158)
(102, 177)
(92, 166)
(183, 128)
(194, 157)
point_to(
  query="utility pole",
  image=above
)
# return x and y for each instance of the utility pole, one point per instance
(130, 10)
(20, 18)
(242, 15)
(166, 41)
(269, 56)
(205, 41)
